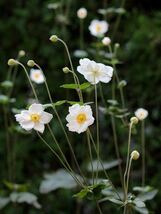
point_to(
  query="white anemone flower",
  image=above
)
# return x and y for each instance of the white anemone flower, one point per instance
(98, 28)
(79, 118)
(34, 118)
(141, 113)
(37, 76)
(106, 41)
(82, 13)
(95, 72)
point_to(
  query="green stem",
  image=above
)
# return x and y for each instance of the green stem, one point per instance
(128, 155)
(143, 151)
(81, 34)
(52, 150)
(97, 130)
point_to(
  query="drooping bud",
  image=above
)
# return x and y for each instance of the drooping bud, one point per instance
(66, 70)
(135, 155)
(53, 38)
(12, 62)
(134, 120)
(31, 63)
(21, 53)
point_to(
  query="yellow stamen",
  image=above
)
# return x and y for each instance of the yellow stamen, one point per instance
(81, 118)
(37, 75)
(98, 28)
(35, 117)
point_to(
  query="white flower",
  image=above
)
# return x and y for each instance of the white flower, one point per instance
(95, 72)
(98, 28)
(82, 13)
(36, 76)
(106, 41)
(141, 113)
(79, 118)
(34, 118)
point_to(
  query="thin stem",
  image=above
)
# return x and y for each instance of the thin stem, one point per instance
(60, 150)
(61, 124)
(97, 130)
(7, 144)
(117, 148)
(127, 185)
(33, 89)
(90, 155)
(52, 150)
(143, 151)
(128, 155)
(98, 207)
(81, 34)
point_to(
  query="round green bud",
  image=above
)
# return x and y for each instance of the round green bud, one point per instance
(53, 38)
(31, 63)
(135, 155)
(12, 62)
(21, 53)
(66, 70)
(122, 84)
(134, 120)
(117, 45)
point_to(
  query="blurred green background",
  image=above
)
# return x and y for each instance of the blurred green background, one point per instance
(28, 25)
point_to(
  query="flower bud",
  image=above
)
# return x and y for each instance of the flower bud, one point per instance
(135, 155)
(106, 41)
(31, 63)
(53, 38)
(21, 53)
(134, 120)
(122, 84)
(12, 62)
(66, 70)
(117, 45)
(82, 13)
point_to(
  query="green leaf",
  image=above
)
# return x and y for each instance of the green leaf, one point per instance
(7, 84)
(16, 187)
(143, 210)
(4, 201)
(106, 165)
(59, 103)
(148, 195)
(139, 203)
(76, 86)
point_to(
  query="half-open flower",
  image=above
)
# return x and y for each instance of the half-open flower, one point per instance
(79, 118)
(98, 28)
(95, 72)
(37, 76)
(141, 113)
(34, 118)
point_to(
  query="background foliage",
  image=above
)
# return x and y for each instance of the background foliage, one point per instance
(27, 25)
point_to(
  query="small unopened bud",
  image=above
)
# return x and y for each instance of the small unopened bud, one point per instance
(117, 45)
(53, 38)
(122, 84)
(134, 120)
(135, 155)
(21, 53)
(82, 13)
(12, 62)
(106, 41)
(66, 70)
(31, 63)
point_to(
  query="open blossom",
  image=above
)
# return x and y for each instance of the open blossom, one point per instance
(36, 76)
(106, 41)
(79, 118)
(95, 72)
(98, 28)
(34, 118)
(82, 13)
(141, 113)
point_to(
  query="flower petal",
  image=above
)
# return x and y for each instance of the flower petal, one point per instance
(45, 117)
(27, 125)
(39, 127)
(36, 108)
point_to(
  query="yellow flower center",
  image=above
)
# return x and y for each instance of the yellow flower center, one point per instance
(35, 117)
(96, 73)
(81, 118)
(37, 75)
(98, 28)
